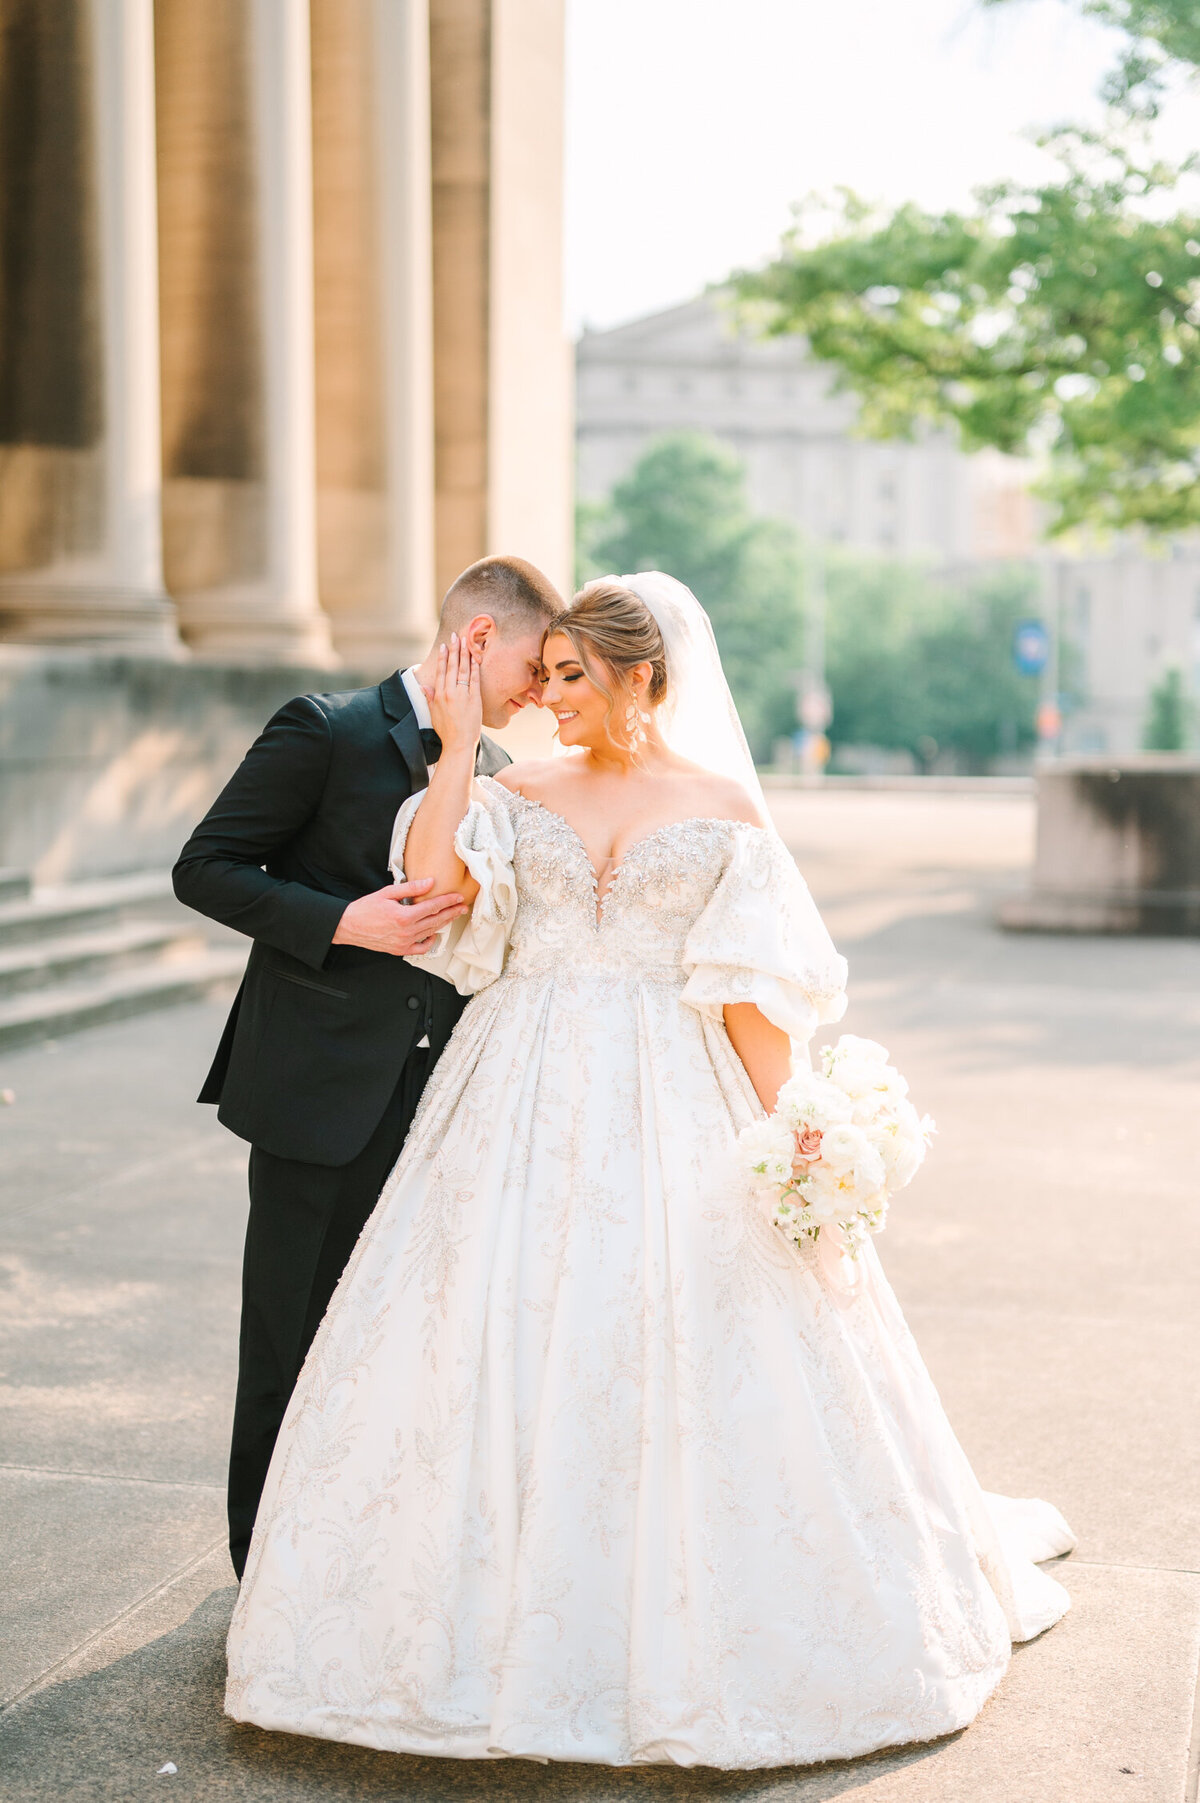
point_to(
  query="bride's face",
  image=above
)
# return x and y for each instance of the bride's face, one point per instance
(582, 710)
(571, 696)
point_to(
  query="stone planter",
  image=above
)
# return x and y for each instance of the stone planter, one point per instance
(1118, 848)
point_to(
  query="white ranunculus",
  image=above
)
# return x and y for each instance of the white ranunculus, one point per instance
(848, 1155)
(808, 1099)
(863, 1051)
(856, 1077)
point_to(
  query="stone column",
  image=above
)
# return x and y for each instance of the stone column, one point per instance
(406, 259)
(460, 89)
(502, 369)
(81, 532)
(531, 454)
(241, 509)
(373, 327)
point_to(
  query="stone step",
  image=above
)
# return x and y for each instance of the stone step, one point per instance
(38, 963)
(83, 907)
(86, 1001)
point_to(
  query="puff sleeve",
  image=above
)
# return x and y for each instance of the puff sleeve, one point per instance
(470, 952)
(760, 939)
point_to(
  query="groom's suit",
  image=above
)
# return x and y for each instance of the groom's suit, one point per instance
(327, 1047)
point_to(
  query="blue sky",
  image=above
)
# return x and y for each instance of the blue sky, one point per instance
(692, 124)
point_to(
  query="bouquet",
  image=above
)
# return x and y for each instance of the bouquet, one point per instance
(839, 1145)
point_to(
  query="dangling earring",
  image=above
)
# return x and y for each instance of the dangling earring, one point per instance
(635, 730)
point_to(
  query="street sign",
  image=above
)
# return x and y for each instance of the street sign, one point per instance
(1031, 647)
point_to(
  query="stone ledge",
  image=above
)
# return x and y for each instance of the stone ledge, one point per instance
(1154, 912)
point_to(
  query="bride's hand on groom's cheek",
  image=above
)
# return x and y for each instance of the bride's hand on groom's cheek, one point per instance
(456, 700)
(402, 919)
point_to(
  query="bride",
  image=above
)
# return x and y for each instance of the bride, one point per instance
(587, 1462)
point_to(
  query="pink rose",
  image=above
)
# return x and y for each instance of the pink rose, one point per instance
(808, 1146)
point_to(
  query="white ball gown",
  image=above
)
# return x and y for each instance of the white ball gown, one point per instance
(586, 1462)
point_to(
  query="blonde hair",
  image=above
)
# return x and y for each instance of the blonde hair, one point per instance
(608, 624)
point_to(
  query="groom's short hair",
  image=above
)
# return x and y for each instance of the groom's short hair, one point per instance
(515, 593)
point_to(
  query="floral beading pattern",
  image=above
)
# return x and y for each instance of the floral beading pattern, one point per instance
(586, 1463)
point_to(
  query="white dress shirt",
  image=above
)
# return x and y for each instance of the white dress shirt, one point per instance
(416, 695)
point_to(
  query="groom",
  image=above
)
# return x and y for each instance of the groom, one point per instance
(332, 1035)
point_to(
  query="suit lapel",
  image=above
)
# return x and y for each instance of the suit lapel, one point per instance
(406, 736)
(489, 758)
(404, 732)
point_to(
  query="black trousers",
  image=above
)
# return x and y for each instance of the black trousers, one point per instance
(304, 1222)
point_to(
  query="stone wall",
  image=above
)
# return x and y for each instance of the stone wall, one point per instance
(108, 759)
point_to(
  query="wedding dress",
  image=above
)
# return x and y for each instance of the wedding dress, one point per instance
(587, 1462)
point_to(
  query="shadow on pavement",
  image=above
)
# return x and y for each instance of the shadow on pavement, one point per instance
(103, 1736)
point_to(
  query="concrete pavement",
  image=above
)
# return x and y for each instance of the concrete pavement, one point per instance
(1047, 1259)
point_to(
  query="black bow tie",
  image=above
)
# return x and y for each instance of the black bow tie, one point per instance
(431, 745)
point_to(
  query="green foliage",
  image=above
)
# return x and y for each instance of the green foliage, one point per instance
(1167, 720)
(683, 509)
(1160, 33)
(1061, 319)
(925, 665)
(591, 520)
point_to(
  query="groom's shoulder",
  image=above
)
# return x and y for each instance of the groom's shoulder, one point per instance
(348, 710)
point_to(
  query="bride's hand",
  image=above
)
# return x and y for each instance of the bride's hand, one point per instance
(455, 700)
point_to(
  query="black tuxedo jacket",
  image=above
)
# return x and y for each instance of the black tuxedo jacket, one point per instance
(318, 1033)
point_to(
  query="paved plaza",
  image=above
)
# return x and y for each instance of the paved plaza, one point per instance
(1047, 1259)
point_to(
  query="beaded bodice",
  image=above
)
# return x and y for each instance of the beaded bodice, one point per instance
(638, 926)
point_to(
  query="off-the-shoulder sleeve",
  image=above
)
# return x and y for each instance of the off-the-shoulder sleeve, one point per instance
(470, 952)
(761, 940)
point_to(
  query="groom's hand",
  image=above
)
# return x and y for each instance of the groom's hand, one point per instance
(393, 920)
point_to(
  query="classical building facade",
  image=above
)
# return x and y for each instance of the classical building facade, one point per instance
(688, 369)
(1123, 615)
(281, 350)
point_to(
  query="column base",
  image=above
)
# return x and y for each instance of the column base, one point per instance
(240, 626)
(33, 612)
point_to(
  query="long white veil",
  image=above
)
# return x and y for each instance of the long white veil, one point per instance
(699, 720)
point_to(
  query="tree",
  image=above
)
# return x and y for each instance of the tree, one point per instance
(1061, 319)
(1161, 33)
(683, 509)
(924, 664)
(1167, 721)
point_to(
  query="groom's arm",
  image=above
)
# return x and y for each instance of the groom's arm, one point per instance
(275, 790)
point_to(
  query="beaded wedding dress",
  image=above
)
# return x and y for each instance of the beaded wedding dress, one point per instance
(587, 1462)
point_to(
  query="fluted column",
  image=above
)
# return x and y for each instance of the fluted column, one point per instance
(81, 518)
(373, 327)
(406, 267)
(501, 357)
(530, 377)
(282, 88)
(236, 170)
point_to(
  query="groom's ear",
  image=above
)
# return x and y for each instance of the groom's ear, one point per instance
(478, 633)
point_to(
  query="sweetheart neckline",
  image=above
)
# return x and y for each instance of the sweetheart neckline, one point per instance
(601, 897)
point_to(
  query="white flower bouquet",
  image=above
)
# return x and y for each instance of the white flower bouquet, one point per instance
(838, 1146)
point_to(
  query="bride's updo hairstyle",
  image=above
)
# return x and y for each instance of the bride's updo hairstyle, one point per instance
(612, 631)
